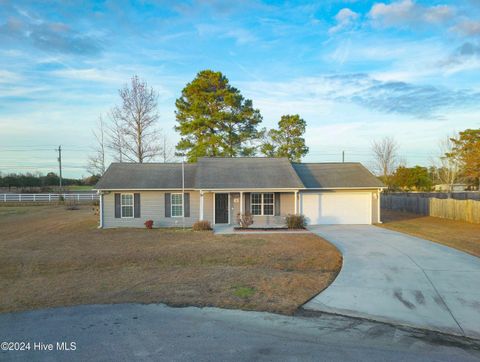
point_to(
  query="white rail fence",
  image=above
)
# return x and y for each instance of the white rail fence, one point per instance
(83, 197)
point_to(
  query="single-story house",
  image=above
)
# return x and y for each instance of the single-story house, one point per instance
(451, 188)
(219, 189)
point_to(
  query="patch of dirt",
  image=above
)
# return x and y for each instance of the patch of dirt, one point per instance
(456, 234)
(50, 256)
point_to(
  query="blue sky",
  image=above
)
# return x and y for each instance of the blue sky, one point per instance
(354, 70)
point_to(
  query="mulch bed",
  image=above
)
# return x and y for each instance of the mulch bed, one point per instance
(266, 229)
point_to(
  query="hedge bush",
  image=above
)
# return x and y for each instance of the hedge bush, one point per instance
(295, 221)
(202, 225)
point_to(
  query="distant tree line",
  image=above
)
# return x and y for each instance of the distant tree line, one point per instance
(458, 162)
(51, 179)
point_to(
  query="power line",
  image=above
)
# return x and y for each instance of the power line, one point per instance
(43, 149)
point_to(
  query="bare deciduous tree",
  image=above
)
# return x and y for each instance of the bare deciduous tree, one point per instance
(116, 139)
(136, 121)
(385, 157)
(447, 166)
(96, 161)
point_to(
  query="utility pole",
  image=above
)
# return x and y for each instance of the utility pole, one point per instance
(164, 149)
(60, 163)
(343, 156)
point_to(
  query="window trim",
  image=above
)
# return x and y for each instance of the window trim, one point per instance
(182, 204)
(121, 205)
(262, 203)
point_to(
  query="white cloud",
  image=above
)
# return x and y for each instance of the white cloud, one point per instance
(345, 20)
(9, 77)
(240, 35)
(467, 27)
(408, 13)
(90, 74)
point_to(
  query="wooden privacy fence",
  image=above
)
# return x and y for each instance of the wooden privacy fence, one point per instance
(462, 210)
(457, 195)
(48, 197)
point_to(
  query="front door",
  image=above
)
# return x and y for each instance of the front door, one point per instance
(221, 208)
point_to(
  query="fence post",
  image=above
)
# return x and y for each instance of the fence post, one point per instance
(49, 197)
(34, 197)
(4, 197)
(19, 197)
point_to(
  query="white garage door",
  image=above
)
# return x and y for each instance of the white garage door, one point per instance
(337, 208)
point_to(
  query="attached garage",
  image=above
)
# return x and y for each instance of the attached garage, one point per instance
(337, 207)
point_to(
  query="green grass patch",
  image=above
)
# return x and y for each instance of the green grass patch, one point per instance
(18, 210)
(243, 292)
(6, 211)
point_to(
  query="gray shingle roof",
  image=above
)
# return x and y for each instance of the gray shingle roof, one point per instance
(335, 175)
(147, 176)
(236, 173)
(246, 172)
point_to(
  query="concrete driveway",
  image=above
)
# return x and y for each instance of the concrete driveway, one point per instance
(393, 277)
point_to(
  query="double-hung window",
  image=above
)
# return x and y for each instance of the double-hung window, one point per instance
(262, 203)
(127, 205)
(177, 205)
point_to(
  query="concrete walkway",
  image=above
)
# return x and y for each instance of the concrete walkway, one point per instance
(392, 277)
(226, 229)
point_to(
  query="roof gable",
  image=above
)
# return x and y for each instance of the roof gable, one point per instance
(246, 172)
(336, 175)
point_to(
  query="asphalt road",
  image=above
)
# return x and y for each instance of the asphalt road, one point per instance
(127, 332)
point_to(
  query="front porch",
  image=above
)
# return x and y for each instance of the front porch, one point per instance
(267, 207)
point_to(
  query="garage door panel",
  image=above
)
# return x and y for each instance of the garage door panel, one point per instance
(337, 208)
(344, 208)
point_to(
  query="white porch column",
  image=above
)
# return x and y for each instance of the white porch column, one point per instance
(296, 202)
(241, 202)
(201, 205)
(229, 209)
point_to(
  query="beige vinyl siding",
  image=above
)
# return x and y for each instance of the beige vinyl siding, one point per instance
(152, 207)
(208, 206)
(287, 203)
(234, 207)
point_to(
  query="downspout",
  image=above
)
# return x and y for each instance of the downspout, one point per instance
(100, 209)
(378, 206)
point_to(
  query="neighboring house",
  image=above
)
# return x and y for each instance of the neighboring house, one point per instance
(451, 188)
(218, 189)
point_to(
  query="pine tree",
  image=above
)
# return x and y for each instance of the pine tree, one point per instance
(214, 119)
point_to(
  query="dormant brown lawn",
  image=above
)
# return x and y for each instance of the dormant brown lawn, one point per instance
(53, 257)
(456, 234)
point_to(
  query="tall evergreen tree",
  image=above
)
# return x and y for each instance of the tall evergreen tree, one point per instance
(214, 119)
(466, 148)
(287, 140)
